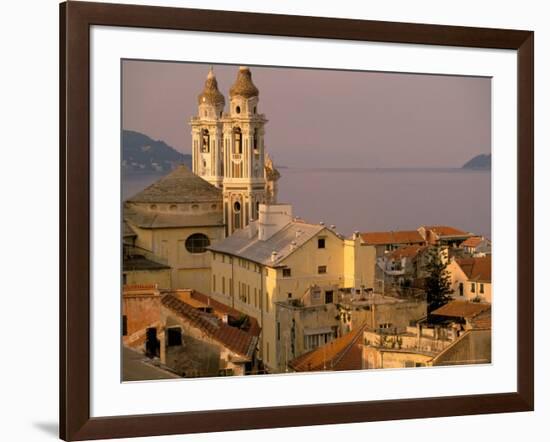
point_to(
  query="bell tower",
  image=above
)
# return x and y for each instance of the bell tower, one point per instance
(207, 133)
(244, 182)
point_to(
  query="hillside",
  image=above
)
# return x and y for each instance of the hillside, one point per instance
(143, 154)
(479, 162)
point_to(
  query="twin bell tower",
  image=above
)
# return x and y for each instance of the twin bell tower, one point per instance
(229, 151)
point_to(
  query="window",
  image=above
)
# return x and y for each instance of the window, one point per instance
(316, 294)
(213, 283)
(461, 289)
(278, 331)
(237, 206)
(481, 288)
(329, 297)
(473, 287)
(287, 273)
(173, 336)
(289, 295)
(238, 141)
(255, 144)
(322, 270)
(197, 243)
(205, 136)
(223, 285)
(238, 109)
(321, 243)
(124, 279)
(124, 325)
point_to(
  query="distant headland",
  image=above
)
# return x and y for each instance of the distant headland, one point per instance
(479, 162)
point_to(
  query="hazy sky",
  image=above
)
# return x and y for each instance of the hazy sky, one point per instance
(322, 118)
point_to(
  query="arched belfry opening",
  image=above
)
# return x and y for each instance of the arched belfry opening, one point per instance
(237, 141)
(205, 146)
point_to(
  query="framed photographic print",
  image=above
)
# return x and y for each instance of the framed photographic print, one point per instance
(274, 221)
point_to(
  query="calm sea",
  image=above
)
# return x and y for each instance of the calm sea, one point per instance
(378, 199)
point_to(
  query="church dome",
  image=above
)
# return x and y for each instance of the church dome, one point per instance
(210, 94)
(243, 86)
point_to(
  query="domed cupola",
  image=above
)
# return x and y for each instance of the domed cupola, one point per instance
(210, 94)
(243, 86)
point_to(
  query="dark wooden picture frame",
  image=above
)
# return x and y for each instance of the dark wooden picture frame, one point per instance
(76, 18)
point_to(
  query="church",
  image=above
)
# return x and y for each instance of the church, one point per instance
(171, 223)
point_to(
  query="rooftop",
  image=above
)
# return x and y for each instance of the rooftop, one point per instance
(407, 251)
(462, 309)
(473, 241)
(476, 269)
(233, 338)
(153, 219)
(179, 186)
(244, 243)
(199, 300)
(139, 262)
(447, 231)
(344, 353)
(392, 237)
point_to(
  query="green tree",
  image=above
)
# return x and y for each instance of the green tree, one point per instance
(438, 281)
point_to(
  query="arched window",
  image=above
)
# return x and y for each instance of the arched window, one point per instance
(205, 146)
(238, 140)
(197, 243)
(237, 206)
(238, 109)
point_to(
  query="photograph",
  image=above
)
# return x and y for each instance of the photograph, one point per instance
(281, 220)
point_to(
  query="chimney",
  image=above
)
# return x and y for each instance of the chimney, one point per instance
(356, 234)
(273, 217)
(252, 229)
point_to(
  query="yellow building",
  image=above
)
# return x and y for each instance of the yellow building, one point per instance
(279, 259)
(471, 278)
(174, 220)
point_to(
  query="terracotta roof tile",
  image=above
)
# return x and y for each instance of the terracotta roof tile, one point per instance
(482, 320)
(473, 241)
(462, 309)
(233, 338)
(407, 251)
(397, 237)
(344, 353)
(446, 231)
(205, 300)
(476, 269)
